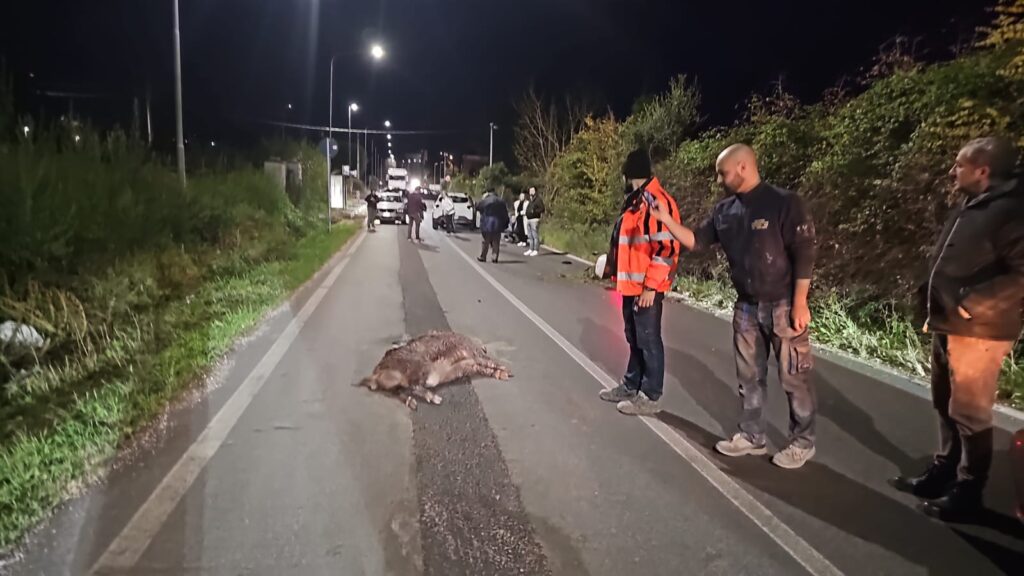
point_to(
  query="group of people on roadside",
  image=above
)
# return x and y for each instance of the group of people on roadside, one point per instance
(972, 302)
(529, 209)
(495, 220)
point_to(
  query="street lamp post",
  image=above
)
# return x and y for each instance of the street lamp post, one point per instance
(493, 127)
(353, 107)
(177, 97)
(377, 51)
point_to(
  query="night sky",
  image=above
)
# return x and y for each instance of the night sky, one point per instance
(452, 65)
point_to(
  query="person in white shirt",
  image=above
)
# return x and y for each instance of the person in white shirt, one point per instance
(519, 227)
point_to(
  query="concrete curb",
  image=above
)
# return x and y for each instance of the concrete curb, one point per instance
(1006, 417)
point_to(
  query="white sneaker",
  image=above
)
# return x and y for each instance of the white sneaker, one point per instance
(528, 253)
(740, 446)
(793, 456)
(534, 253)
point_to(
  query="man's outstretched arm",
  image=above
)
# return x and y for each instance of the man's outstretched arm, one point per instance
(690, 239)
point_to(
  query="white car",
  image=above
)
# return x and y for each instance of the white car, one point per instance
(465, 212)
(391, 206)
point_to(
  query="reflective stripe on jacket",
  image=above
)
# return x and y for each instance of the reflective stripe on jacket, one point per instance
(647, 253)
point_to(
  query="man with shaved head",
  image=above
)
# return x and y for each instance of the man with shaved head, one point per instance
(972, 302)
(768, 237)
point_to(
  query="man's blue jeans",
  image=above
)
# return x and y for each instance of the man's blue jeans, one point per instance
(646, 369)
(755, 327)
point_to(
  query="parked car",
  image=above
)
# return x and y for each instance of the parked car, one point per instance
(465, 212)
(391, 206)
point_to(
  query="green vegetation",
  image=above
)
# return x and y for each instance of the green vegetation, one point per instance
(136, 285)
(871, 159)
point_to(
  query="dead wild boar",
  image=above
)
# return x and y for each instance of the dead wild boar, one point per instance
(411, 369)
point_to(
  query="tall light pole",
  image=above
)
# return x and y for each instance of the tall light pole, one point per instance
(353, 107)
(493, 127)
(177, 97)
(377, 51)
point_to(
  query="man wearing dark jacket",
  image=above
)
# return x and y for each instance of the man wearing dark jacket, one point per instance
(371, 210)
(767, 235)
(534, 211)
(414, 208)
(493, 220)
(973, 305)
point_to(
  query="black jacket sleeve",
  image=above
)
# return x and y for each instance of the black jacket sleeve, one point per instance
(705, 235)
(1008, 286)
(798, 236)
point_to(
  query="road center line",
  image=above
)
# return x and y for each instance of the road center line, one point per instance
(134, 538)
(792, 543)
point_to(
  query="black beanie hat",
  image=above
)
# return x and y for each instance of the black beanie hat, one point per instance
(637, 165)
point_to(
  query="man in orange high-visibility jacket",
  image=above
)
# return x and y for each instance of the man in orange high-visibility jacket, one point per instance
(645, 256)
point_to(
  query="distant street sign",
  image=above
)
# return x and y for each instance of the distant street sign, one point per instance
(329, 147)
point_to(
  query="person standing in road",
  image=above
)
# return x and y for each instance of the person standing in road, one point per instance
(448, 213)
(768, 238)
(645, 256)
(972, 304)
(534, 212)
(371, 210)
(519, 209)
(493, 219)
(414, 209)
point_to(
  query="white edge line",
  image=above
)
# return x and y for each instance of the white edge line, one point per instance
(554, 250)
(129, 545)
(783, 535)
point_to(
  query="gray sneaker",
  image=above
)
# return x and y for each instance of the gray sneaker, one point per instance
(617, 394)
(793, 456)
(639, 405)
(740, 446)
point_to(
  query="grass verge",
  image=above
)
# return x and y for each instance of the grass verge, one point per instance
(40, 467)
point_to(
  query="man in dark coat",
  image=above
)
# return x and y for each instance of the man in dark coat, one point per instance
(972, 302)
(493, 220)
(371, 210)
(414, 208)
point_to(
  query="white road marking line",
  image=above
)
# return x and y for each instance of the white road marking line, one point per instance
(783, 535)
(131, 542)
(567, 255)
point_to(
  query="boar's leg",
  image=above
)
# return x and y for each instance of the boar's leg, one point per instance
(426, 394)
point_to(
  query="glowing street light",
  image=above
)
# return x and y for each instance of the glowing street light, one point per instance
(377, 51)
(389, 136)
(387, 123)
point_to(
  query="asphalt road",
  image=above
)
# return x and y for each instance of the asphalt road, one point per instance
(280, 466)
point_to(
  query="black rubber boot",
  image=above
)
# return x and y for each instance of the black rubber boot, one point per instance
(964, 501)
(933, 483)
(965, 498)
